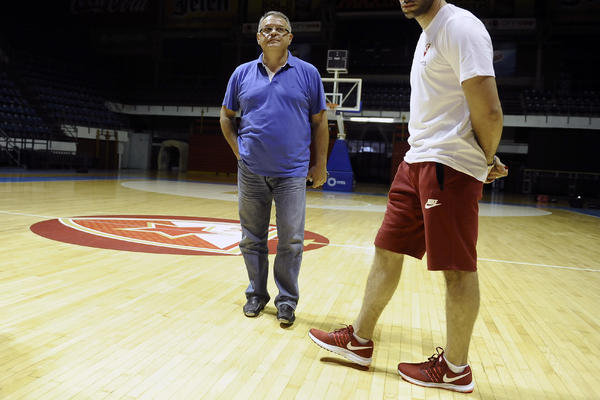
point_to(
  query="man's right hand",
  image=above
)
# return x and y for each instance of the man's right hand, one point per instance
(497, 170)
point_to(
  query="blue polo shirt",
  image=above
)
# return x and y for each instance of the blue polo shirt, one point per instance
(274, 133)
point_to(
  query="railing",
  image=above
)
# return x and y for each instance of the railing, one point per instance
(69, 130)
(555, 182)
(8, 146)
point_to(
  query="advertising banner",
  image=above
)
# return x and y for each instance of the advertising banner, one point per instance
(200, 13)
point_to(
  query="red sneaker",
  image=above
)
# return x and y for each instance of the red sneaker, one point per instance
(343, 342)
(436, 373)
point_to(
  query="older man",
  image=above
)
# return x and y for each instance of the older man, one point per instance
(282, 104)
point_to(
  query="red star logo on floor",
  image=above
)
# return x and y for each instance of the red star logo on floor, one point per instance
(170, 231)
(159, 234)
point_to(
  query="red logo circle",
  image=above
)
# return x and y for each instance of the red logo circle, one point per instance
(159, 234)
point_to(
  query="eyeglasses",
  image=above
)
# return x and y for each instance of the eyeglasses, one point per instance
(280, 30)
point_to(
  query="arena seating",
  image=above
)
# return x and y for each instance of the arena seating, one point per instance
(69, 96)
(17, 117)
(40, 102)
(584, 103)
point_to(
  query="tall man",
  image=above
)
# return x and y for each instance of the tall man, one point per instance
(455, 127)
(282, 103)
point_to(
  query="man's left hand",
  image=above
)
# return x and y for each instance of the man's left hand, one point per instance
(317, 175)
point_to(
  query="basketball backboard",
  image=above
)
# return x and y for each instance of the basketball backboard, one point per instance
(344, 94)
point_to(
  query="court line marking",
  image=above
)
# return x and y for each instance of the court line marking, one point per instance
(372, 247)
(485, 259)
(541, 265)
(26, 215)
(339, 201)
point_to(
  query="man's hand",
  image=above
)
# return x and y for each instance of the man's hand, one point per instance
(497, 170)
(317, 175)
(229, 129)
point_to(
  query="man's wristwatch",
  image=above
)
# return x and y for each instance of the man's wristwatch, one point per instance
(491, 165)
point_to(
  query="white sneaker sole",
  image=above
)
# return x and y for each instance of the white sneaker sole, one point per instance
(448, 386)
(365, 362)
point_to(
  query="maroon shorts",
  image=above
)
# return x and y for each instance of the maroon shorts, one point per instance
(433, 208)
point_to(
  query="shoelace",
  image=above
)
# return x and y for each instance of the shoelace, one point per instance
(432, 367)
(345, 328)
(435, 358)
(345, 331)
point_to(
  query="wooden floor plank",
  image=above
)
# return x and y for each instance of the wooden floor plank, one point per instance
(88, 323)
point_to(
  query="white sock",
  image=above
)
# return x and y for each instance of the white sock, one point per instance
(455, 368)
(359, 339)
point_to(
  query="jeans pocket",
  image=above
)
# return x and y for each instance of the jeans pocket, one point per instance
(241, 165)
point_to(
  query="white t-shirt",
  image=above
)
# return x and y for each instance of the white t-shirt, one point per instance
(454, 47)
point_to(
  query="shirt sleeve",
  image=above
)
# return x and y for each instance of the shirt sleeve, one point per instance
(469, 48)
(231, 101)
(317, 93)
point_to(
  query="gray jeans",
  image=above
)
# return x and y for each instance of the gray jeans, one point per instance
(256, 194)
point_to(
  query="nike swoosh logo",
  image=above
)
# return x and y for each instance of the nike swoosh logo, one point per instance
(432, 205)
(353, 348)
(448, 380)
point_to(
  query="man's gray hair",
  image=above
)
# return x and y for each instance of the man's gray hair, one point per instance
(276, 14)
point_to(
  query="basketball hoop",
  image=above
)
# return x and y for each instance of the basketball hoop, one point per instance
(332, 106)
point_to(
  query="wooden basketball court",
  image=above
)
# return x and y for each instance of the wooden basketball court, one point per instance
(82, 321)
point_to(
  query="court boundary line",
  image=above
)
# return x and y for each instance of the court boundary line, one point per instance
(540, 265)
(26, 215)
(584, 269)
(35, 178)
